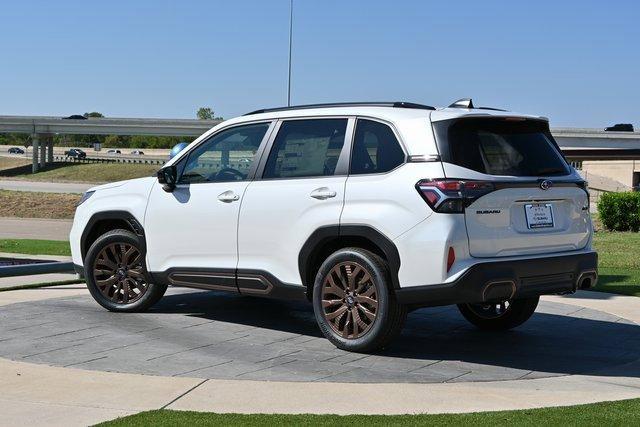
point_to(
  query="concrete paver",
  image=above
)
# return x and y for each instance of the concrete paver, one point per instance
(623, 306)
(321, 398)
(76, 397)
(35, 393)
(9, 282)
(39, 294)
(219, 336)
(17, 413)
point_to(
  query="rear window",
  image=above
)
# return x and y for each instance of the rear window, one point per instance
(500, 146)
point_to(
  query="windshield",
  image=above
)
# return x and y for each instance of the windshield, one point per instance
(500, 146)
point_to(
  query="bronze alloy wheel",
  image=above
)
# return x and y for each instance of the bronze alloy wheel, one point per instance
(490, 310)
(349, 300)
(119, 273)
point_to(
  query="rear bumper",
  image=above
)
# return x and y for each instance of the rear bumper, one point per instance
(501, 280)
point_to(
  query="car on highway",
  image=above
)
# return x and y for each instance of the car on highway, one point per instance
(137, 153)
(366, 210)
(113, 152)
(15, 150)
(620, 127)
(75, 153)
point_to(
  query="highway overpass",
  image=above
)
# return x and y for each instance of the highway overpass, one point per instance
(40, 126)
(577, 144)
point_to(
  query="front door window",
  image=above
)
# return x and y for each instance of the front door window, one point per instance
(225, 157)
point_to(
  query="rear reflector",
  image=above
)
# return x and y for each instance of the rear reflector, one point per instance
(451, 258)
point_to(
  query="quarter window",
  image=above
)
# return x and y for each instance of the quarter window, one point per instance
(375, 148)
(227, 156)
(305, 148)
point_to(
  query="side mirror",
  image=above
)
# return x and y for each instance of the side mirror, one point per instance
(168, 176)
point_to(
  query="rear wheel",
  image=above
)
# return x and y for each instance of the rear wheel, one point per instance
(116, 274)
(352, 302)
(500, 316)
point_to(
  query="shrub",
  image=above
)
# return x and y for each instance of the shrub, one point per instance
(620, 211)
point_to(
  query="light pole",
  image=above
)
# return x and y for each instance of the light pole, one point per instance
(290, 42)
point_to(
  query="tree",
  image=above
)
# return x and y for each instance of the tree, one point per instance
(205, 113)
(93, 114)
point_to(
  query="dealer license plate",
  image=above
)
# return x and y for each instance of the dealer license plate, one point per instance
(539, 215)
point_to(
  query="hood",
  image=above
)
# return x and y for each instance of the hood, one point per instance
(135, 181)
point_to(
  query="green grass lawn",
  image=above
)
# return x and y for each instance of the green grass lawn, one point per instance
(626, 412)
(618, 262)
(79, 172)
(35, 247)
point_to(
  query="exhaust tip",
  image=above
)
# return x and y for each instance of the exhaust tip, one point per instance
(499, 290)
(587, 279)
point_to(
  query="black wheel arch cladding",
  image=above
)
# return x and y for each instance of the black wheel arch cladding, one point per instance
(343, 236)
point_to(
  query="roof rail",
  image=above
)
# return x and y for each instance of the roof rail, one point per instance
(345, 104)
(490, 108)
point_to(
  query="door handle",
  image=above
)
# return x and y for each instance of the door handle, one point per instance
(228, 197)
(322, 193)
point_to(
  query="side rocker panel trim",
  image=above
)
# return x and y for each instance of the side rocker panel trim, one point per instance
(243, 281)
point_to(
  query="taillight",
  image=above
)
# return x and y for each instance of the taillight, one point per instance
(585, 186)
(452, 195)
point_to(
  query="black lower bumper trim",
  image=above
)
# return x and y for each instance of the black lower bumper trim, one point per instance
(79, 269)
(501, 280)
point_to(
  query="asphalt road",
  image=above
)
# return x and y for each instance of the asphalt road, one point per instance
(30, 228)
(46, 187)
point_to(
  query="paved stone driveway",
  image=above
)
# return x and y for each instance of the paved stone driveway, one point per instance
(216, 335)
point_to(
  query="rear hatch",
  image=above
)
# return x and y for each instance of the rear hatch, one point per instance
(533, 202)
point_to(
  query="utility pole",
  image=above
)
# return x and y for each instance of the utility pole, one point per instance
(290, 42)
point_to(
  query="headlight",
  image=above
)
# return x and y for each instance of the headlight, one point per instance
(85, 197)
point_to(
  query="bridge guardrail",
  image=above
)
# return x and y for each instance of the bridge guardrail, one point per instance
(129, 160)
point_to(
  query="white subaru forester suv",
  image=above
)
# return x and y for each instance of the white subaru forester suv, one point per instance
(368, 210)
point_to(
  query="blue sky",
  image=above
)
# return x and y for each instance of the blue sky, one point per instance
(577, 62)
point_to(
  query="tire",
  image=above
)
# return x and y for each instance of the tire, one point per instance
(124, 289)
(360, 326)
(492, 317)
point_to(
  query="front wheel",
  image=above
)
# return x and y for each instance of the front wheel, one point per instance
(352, 301)
(116, 273)
(500, 316)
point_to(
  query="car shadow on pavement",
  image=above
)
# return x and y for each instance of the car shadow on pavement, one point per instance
(559, 339)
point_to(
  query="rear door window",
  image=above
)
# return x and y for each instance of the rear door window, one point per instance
(306, 148)
(500, 146)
